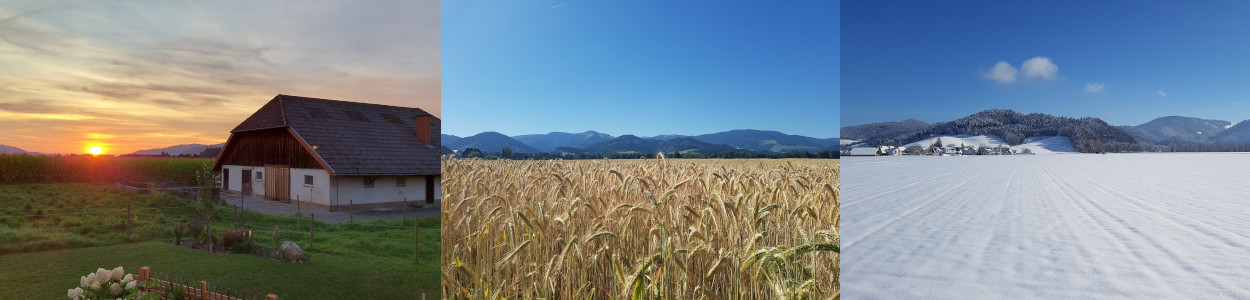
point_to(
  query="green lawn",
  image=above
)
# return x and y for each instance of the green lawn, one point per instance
(48, 274)
(54, 233)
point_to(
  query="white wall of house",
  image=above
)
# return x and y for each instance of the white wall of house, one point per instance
(351, 189)
(258, 183)
(319, 192)
(338, 190)
(236, 178)
(235, 183)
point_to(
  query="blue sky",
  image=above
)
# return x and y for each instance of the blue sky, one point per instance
(1126, 62)
(640, 67)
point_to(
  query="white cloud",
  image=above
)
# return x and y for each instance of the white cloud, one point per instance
(1094, 87)
(1039, 67)
(1161, 93)
(1002, 72)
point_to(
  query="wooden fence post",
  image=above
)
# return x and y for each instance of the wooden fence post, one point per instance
(312, 220)
(209, 231)
(203, 289)
(416, 258)
(351, 214)
(127, 223)
(271, 297)
(405, 209)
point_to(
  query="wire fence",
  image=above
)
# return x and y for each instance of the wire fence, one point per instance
(369, 238)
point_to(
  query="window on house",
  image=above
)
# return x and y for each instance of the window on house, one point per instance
(308, 180)
(401, 181)
(392, 118)
(318, 113)
(369, 181)
(355, 115)
(260, 175)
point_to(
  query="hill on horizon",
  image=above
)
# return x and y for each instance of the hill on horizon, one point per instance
(6, 149)
(489, 142)
(740, 139)
(550, 141)
(632, 143)
(1087, 135)
(176, 150)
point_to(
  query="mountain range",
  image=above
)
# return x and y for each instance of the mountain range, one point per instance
(596, 142)
(1182, 130)
(1087, 134)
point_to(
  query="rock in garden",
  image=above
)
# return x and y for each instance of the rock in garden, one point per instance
(292, 252)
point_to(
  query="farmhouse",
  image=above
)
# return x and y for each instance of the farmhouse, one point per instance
(863, 151)
(332, 153)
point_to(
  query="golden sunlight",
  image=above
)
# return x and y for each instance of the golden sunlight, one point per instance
(96, 150)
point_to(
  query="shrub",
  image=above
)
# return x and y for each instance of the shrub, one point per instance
(237, 241)
(178, 231)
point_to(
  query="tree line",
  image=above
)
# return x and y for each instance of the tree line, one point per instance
(507, 153)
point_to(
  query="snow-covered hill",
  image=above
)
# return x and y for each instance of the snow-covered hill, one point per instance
(1037, 145)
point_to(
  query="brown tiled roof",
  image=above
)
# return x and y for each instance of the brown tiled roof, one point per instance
(353, 138)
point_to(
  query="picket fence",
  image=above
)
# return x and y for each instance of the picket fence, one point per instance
(164, 284)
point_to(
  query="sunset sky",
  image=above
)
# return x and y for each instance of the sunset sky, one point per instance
(129, 76)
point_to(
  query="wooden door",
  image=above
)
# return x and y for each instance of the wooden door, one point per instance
(429, 189)
(278, 182)
(247, 182)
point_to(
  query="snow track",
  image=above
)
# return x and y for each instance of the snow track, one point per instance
(1125, 226)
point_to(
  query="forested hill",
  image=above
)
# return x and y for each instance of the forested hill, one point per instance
(860, 132)
(1088, 134)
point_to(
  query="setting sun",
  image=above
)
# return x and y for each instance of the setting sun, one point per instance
(95, 150)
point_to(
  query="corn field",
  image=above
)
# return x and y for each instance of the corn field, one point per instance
(62, 169)
(640, 229)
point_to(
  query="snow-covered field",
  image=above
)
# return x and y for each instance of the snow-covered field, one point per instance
(1085, 226)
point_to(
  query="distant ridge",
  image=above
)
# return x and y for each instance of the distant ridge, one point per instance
(491, 141)
(1087, 135)
(631, 143)
(860, 132)
(550, 141)
(750, 140)
(176, 150)
(6, 149)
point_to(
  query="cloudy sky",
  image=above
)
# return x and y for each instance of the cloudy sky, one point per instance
(148, 74)
(1126, 62)
(640, 67)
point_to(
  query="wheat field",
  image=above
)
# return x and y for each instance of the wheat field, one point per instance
(640, 229)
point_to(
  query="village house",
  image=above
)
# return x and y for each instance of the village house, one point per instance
(331, 153)
(863, 151)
